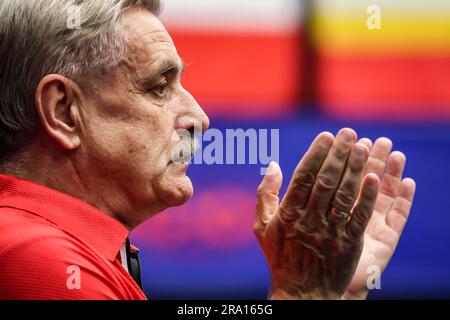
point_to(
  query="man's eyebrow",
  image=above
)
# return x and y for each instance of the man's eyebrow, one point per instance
(163, 68)
(170, 66)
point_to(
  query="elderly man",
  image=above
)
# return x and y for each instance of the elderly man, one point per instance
(88, 120)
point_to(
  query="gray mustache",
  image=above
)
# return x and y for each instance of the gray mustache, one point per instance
(184, 150)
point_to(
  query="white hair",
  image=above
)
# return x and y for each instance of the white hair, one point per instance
(72, 38)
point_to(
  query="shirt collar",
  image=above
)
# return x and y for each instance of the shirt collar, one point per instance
(100, 230)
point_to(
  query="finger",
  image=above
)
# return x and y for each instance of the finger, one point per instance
(267, 199)
(392, 176)
(390, 183)
(399, 213)
(330, 174)
(378, 156)
(304, 175)
(364, 206)
(367, 142)
(346, 195)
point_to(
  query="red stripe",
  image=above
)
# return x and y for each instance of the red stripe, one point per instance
(227, 71)
(391, 85)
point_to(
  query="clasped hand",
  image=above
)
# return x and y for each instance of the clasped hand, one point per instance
(314, 238)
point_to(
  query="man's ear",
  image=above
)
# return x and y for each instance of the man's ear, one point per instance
(57, 103)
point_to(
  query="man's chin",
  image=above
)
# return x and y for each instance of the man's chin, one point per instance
(177, 192)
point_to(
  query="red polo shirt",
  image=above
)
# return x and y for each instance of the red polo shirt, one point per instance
(53, 246)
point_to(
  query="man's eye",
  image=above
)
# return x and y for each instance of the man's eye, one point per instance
(160, 90)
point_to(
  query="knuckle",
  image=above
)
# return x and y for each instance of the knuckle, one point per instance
(344, 199)
(311, 224)
(257, 228)
(356, 165)
(376, 165)
(304, 178)
(309, 229)
(361, 216)
(363, 206)
(340, 153)
(389, 190)
(358, 218)
(325, 183)
(389, 187)
(260, 191)
(287, 216)
(369, 197)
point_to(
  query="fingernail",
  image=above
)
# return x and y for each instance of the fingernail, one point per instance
(272, 168)
(348, 135)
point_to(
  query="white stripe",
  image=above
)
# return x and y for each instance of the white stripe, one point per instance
(400, 7)
(233, 15)
(123, 257)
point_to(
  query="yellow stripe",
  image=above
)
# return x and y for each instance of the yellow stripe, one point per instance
(397, 34)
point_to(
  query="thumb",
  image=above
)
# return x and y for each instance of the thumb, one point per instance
(267, 199)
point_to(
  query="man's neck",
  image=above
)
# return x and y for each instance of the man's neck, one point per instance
(59, 173)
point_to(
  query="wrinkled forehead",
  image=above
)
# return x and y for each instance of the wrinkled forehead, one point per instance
(148, 43)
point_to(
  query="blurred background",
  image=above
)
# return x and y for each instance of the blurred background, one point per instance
(304, 67)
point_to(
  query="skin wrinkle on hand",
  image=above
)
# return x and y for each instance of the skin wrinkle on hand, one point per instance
(321, 259)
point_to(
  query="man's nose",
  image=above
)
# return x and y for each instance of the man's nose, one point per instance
(203, 118)
(196, 111)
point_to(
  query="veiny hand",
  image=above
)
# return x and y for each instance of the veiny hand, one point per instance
(313, 252)
(390, 215)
